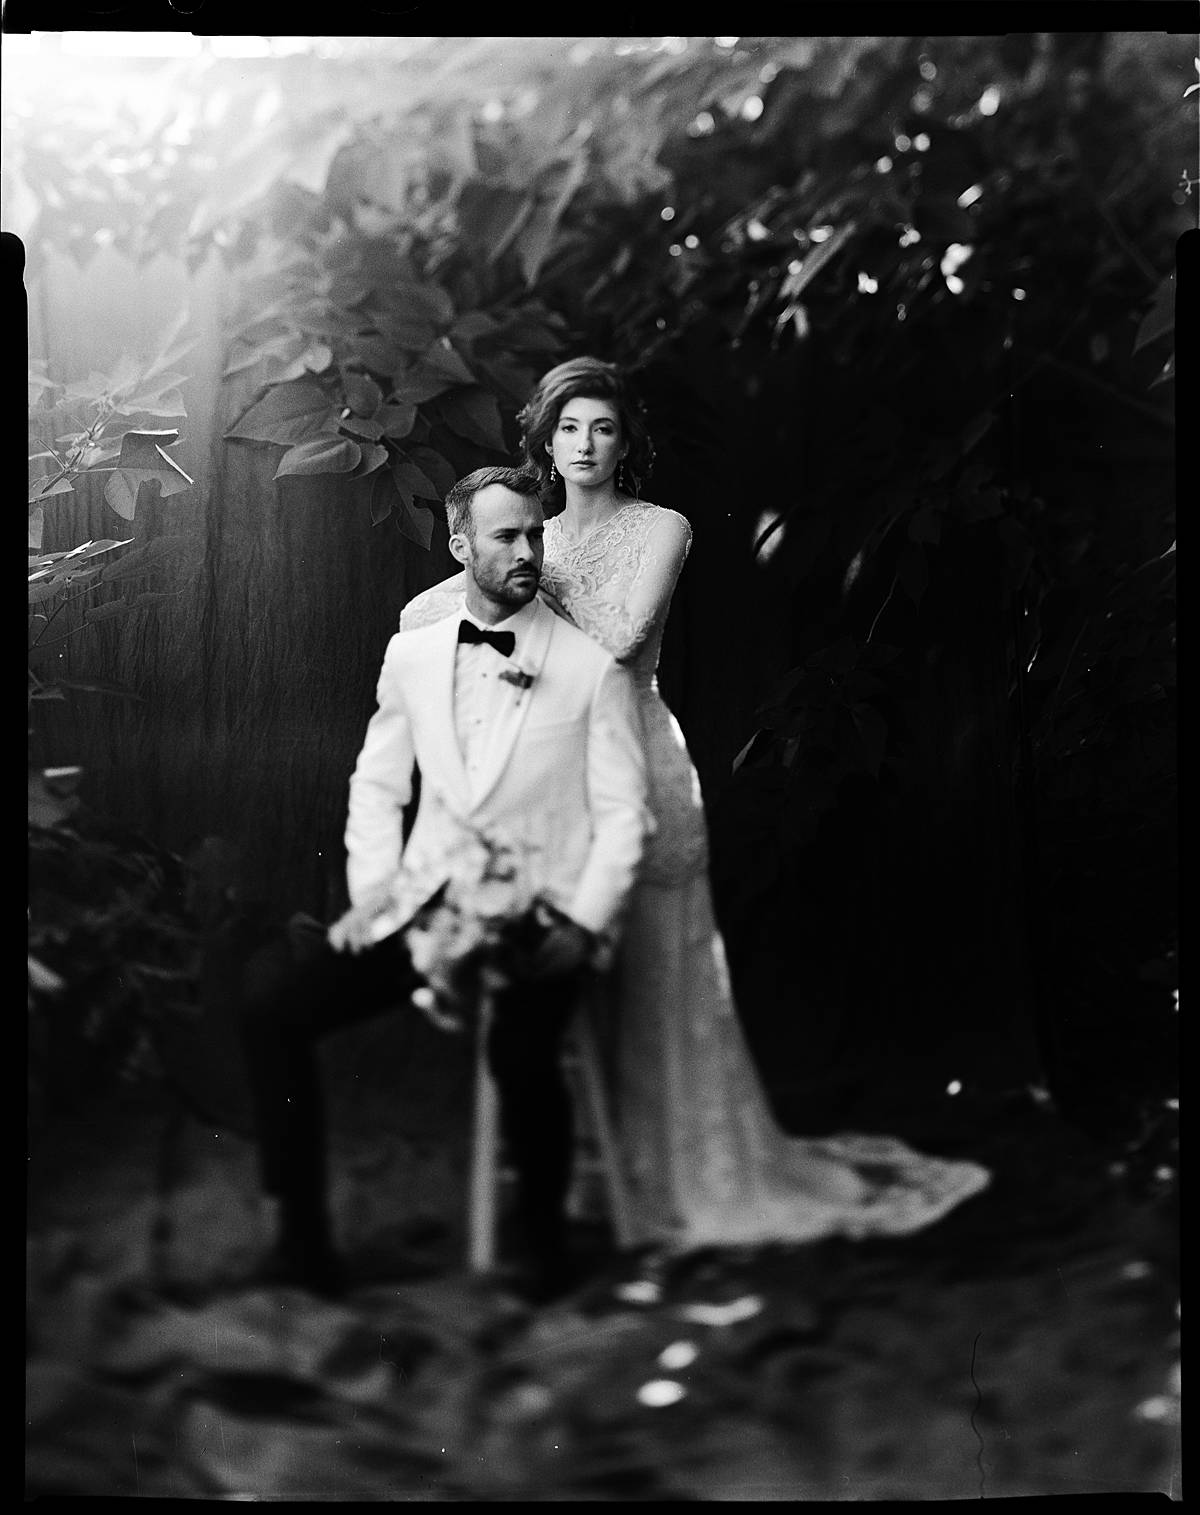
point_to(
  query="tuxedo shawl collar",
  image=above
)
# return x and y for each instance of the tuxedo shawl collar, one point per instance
(534, 644)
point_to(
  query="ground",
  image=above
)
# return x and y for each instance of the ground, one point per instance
(1025, 1345)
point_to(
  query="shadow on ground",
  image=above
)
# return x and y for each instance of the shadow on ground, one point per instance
(1025, 1345)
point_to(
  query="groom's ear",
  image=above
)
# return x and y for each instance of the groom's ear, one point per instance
(460, 548)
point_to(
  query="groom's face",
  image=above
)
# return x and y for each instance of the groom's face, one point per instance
(504, 554)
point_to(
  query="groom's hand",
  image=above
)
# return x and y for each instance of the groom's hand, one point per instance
(354, 931)
(565, 948)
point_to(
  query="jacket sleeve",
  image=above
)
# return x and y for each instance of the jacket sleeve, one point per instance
(619, 804)
(380, 787)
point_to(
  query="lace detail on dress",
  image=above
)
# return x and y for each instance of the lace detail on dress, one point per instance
(596, 581)
(433, 604)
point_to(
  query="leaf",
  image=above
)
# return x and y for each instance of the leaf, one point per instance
(1166, 372)
(373, 456)
(474, 414)
(425, 302)
(363, 395)
(358, 426)
(383, 498)
(421, 382)
(37, 526)
(416, 523)
(168, 402)
(537, 235)
(407, 472)
(435, 467)
(43, 488)
(325, 454)
(1159, 320)
(396, 419)
(491, 215)
(757, 743)
(814, 261)
(288, 413)
(88, 549)
(444, 358)
(108, 612)
(144, 460)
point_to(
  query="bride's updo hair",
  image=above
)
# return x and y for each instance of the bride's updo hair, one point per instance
(583, 379)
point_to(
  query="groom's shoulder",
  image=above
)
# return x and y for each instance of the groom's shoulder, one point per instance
(412, 643)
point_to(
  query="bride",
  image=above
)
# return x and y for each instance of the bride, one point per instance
(705, 1160)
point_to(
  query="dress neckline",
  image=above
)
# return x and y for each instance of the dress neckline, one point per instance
(599, 526)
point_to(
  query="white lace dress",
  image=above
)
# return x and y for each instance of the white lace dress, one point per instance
(706, 1162)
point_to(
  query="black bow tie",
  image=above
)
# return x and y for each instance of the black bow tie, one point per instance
(502, 641)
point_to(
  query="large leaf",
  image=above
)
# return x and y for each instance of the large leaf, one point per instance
(324, 454)
(48, 485)
(474, 414)
(435, 467)
(396, 419)
(416, 523)
(422, 382)
(363, 395)
(407, 472)
(537, 236)
(144, 460)
(288, 413)
(1159, 320)
(490, 216)
(374, 456)
(444, 358)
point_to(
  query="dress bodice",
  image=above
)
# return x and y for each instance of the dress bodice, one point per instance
(603, 582)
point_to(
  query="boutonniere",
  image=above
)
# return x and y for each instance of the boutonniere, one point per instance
(517, 677)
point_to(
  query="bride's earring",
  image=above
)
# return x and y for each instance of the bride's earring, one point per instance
(621, 474)
(553, 471)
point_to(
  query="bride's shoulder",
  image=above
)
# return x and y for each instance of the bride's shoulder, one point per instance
(665, 523)
(433, 604)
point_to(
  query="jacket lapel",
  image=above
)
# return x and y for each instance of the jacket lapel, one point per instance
(531, 658)
(450, 769)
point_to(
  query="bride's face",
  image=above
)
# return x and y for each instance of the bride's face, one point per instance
(586, 444)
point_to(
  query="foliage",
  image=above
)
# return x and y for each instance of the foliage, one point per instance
(114, 946)
(107, 420)
(893, 296)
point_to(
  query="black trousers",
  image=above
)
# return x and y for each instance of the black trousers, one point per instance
(290, 1002)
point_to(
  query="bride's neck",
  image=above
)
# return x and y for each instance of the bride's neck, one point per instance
(585, 508)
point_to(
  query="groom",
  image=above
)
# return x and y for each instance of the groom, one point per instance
(522, 728)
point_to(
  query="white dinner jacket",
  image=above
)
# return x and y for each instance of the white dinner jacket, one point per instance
(564, 775)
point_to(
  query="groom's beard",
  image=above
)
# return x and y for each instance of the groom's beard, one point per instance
(514, 588)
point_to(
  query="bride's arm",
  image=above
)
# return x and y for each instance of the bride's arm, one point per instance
(433, 604)
(645, 602)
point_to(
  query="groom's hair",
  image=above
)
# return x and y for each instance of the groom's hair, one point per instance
(459, 516)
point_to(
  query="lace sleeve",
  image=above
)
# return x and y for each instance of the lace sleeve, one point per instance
(644, 608)
(433, 604)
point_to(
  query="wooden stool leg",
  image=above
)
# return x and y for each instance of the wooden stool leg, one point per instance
(620, 1209)
(481, 1216)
